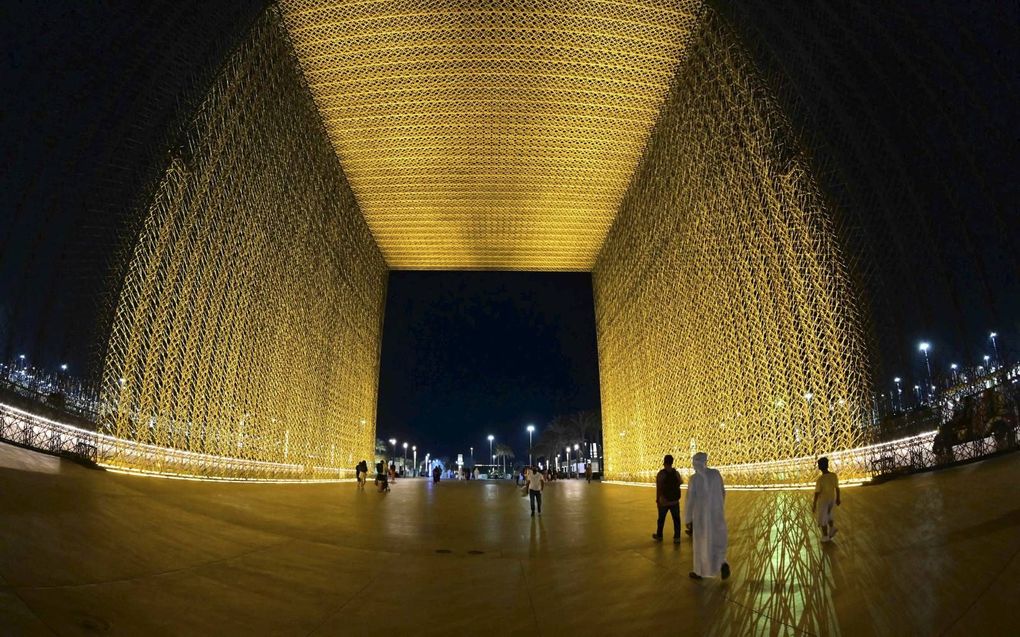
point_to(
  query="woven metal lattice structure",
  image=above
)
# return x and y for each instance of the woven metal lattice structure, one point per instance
(633, 140)
(725, 314)
(249, 321)
(497, 134)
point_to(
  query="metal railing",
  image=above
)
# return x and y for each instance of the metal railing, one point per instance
(31, 430)
(913, 453)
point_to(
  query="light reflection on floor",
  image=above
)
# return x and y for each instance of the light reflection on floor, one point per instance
(932, 554)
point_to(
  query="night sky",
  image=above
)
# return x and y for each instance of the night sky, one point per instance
(911, 116)
(467, 354)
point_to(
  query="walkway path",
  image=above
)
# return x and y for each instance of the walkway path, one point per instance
(88, 552)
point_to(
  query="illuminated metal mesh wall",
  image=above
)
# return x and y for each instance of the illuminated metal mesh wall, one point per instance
(725, 315)
(248, 326)
(493, 134)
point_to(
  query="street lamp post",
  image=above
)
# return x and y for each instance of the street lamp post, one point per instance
(491, 438)
(924, 347)
(393, 441)
(472, 456)
(577, 473)
(404, 466)
(899, 393)
(956, 376)
(568, 460)
(415, 450)
(995, 349)
(531, 430)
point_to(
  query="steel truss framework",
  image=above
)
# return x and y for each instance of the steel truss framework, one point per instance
(247, 332)
(501, 137)
(725, 316)
(493, 134)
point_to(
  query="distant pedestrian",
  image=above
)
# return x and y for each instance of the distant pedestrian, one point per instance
(536, 483)
(706, 521)
(436, 474)
(667, 498)
(587, 471)
(826, 499)
(381, 479)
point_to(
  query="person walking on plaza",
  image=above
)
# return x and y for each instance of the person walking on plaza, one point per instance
(381, 479)
(536, 483)
(705, 520)
(436, 473)
(587, 471)
(826, 498)
(667, 498)
(362, 471)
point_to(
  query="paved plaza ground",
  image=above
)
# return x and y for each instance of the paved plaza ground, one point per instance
(86, 552)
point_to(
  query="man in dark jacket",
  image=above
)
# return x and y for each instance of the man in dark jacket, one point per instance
(667, 498)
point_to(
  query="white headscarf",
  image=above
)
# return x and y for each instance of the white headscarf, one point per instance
(700, 461)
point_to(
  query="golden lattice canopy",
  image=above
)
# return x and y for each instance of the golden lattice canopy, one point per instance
(489, 134)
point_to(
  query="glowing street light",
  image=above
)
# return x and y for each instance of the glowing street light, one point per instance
(987, 366)
(956, 377)
(995, 349)
(924, 347)
(491, 438)
(393, 441)
(405, 454)
(531, 430)
(414, 449)
(899, 392)
(63, 367)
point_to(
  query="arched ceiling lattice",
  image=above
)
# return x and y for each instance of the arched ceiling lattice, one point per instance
(489, 134)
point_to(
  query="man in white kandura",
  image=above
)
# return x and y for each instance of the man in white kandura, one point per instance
(705, 520)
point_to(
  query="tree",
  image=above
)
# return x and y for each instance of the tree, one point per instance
(504, 452)
(579, 428)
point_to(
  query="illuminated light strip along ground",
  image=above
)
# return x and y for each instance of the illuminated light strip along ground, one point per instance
(742, 487)
(109, 446)
(857, 461)
(173, 476)
(109, 443)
